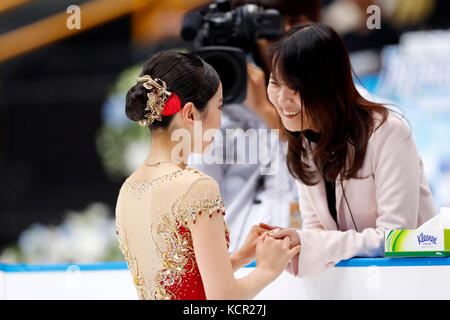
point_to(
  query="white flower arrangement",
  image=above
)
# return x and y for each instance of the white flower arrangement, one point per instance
(87, 236)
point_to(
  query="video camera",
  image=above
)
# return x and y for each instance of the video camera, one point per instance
(223, 37)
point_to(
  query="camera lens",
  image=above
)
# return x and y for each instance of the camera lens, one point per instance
(227, 68)
(231, 66)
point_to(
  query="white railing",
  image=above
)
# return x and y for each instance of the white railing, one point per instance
(359, 278)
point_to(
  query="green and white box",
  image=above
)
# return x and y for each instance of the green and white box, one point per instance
(417, 243)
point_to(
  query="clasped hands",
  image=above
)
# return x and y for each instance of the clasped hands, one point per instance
(272, 245)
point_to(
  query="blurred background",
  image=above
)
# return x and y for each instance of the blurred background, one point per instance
(66, 145)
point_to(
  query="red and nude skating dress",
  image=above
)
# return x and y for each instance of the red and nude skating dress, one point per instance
(152, 220)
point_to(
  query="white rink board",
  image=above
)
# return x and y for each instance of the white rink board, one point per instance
(101, 281)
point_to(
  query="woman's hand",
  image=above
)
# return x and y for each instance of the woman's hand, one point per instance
(273, 255)
(246, 252)
(282, 233)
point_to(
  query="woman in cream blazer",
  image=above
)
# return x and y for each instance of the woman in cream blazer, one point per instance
(312, 89)
(395, 195)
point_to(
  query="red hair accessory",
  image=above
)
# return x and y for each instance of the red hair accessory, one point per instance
(172, 105)
(161, 102)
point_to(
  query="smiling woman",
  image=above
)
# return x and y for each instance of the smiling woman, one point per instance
(312, 88)
(355, 161)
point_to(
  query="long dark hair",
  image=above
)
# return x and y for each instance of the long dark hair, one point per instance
(189, 76)
(312, 60)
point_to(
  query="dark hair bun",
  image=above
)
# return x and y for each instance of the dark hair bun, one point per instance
(136, 102)
(192, 79)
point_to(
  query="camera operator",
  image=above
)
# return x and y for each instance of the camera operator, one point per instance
(294, 12)
(251, 197)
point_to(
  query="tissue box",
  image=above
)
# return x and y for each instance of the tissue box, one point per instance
(417, 243)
